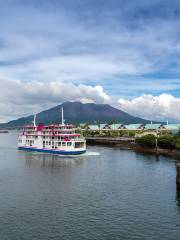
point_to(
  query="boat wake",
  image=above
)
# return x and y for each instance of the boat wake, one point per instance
(86, 154)
(90, 154)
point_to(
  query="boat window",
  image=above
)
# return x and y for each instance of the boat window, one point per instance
(59, 143)
(69, 144)
(63, 144)
(79, 144)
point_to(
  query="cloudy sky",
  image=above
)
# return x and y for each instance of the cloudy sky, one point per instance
(125, 53)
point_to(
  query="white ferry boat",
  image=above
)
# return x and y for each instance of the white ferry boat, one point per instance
(56, 139)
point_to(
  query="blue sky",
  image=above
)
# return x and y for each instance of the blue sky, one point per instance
(125, 53)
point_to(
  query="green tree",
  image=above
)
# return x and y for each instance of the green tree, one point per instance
(166, 141)
(147, 141)
(177, 142)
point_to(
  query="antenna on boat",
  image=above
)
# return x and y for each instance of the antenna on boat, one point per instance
(62, 115)
(34, 120)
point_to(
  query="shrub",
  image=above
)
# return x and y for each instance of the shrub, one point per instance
(177, 142)
(114, 133)
(122, 133)
(166, 141)
(132, 133)
(177, 145)
(147, 141)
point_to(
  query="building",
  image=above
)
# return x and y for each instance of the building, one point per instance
(117, 126)
(172, 127)
(136, 126)
(105, 126)
(93, 127)
(155, 126)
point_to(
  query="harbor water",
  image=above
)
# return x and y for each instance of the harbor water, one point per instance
(106, 194)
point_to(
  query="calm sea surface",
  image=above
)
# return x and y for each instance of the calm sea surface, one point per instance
(114, 195)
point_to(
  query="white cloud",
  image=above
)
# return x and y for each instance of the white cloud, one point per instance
(160, 107)
(19, 99)
(37, 39)
(77, 68)
(45, 50)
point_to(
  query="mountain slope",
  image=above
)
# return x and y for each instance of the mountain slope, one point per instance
(76, 112)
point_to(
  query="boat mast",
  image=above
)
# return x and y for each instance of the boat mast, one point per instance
(34, 121)
(62, 116)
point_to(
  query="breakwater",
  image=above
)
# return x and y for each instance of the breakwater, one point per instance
(3, 131)
(130, 144)
(178, 175)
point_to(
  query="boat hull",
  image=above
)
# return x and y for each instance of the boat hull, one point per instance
(59, 152)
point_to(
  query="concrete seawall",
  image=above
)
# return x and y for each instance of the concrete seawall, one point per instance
(130, 144)
(121, 142)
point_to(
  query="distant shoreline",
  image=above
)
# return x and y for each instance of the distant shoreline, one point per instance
(129, 144)
(4, 131)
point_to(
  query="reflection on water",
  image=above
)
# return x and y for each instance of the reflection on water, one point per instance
(178, 197)
(48, 160)
(105, 194)
(52, 160)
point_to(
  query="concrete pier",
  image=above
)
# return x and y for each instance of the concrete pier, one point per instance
(178, 175)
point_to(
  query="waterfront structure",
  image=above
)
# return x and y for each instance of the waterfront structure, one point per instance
(82, 125)
(3, 131)
(135, 126)
(178, 175)
(57, 139)
(117, 126)
(175, 127)
(97, 127)
(93, 127)
(155, 126)
(104, 126)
